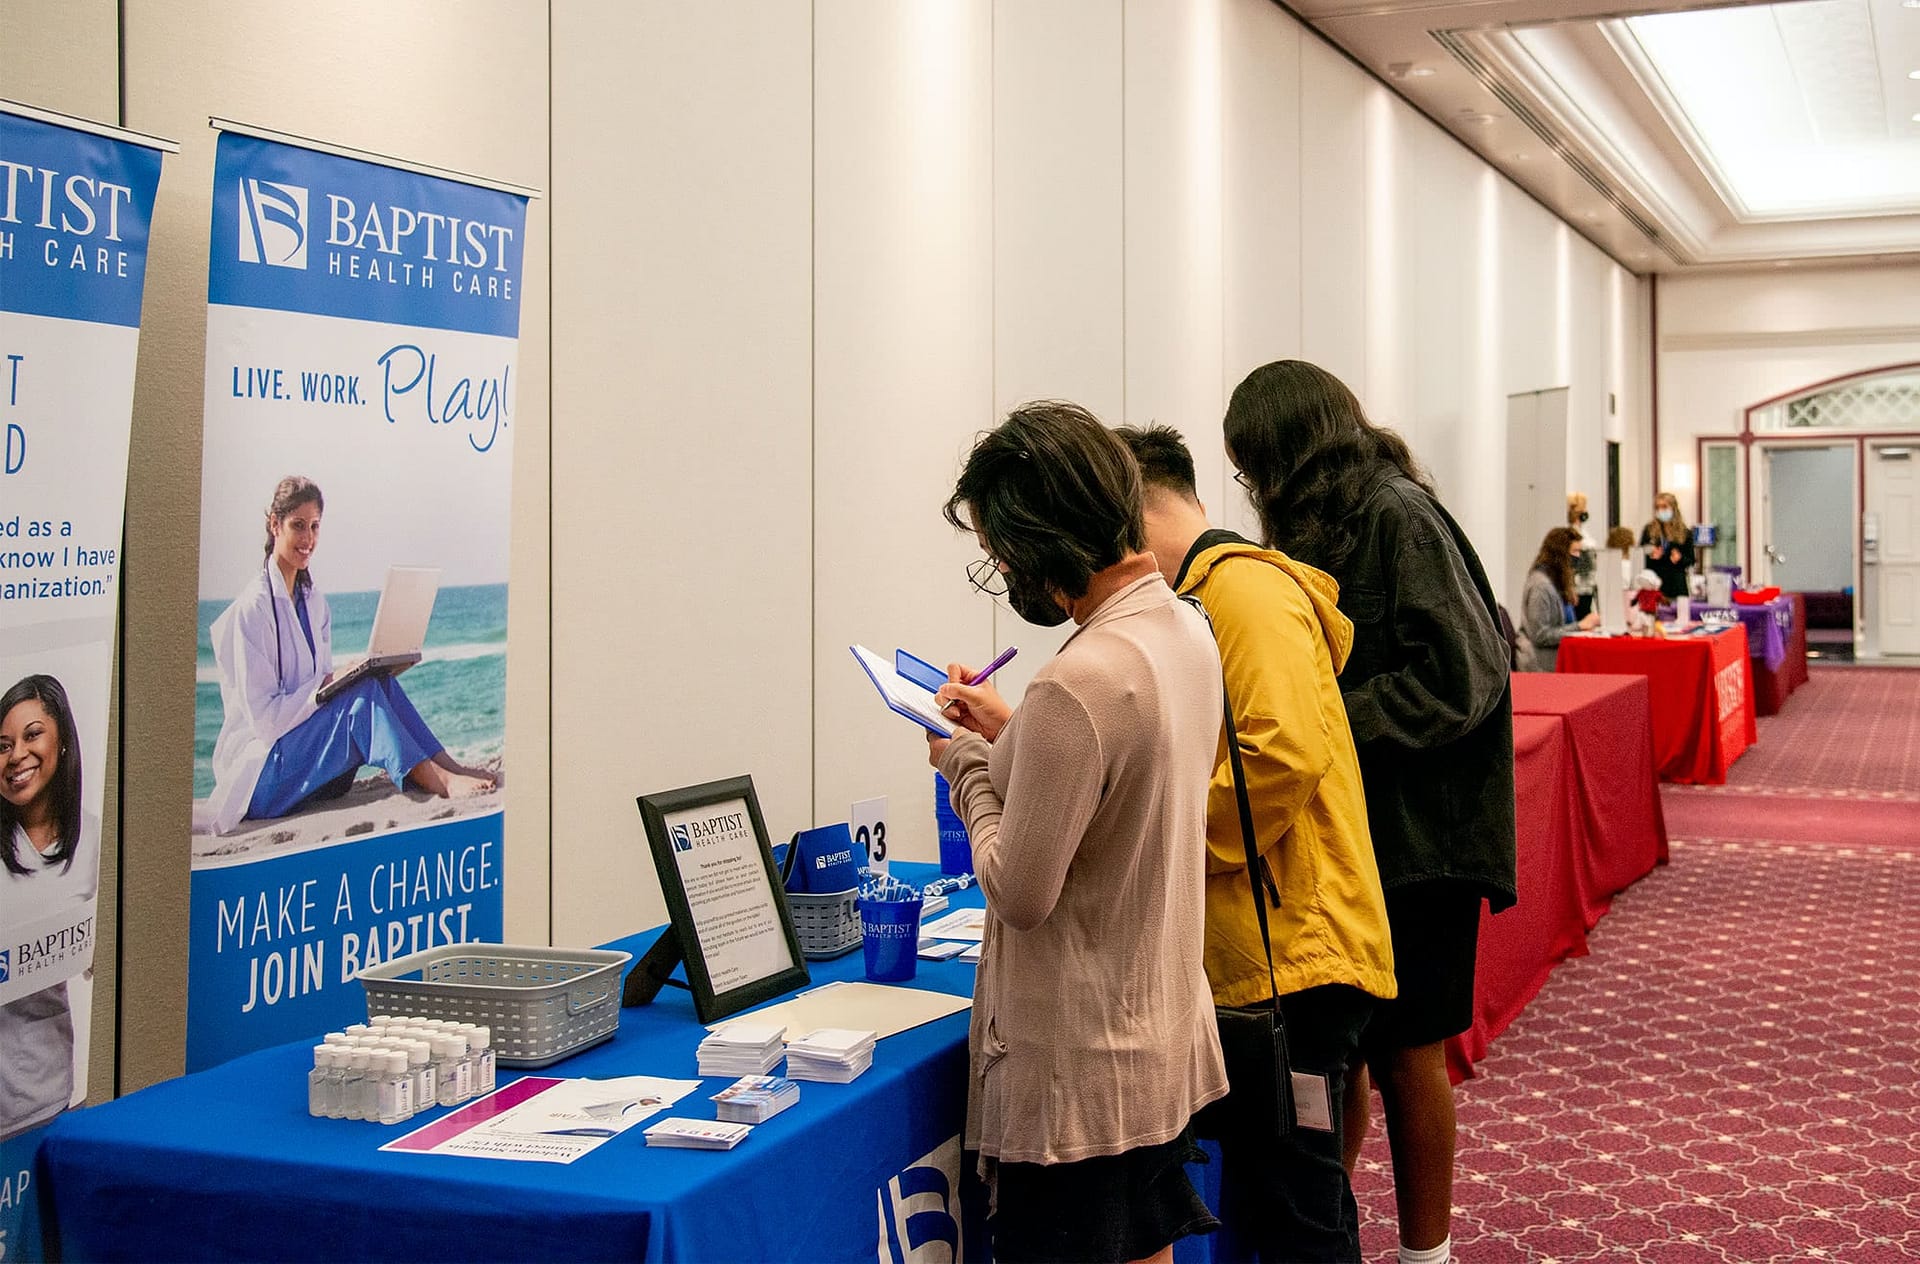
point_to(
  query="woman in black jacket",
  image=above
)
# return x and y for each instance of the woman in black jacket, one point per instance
(1428, 697)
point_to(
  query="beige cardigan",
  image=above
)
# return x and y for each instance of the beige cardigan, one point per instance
(1092, 1029)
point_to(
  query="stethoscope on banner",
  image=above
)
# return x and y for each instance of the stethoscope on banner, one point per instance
(279, 665)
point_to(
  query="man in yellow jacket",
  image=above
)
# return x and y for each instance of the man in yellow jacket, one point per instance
(1282, 641)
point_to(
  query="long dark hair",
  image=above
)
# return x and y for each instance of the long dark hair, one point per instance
(1312, 458)
(1055, 494)
(65, 789)
(292, 492)
(1556, 559)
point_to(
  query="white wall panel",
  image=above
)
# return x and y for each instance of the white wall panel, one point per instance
(1173, 223)
(682, 558)
(1058, 288)
(1452, 427)
(1333, 213)
(1529, 295)
(903, 373)
(1260, 212)
(62, 55)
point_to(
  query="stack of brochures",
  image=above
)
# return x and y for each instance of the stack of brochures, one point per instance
(741, 1049)
(753, 1099)
(697, 1134)
(833, 1055)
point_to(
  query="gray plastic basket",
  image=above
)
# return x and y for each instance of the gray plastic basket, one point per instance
(539, 1004)
(826, 924)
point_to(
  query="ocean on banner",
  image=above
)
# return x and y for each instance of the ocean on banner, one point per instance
(459, 686)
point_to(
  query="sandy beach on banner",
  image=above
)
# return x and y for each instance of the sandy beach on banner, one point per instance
(373, 806)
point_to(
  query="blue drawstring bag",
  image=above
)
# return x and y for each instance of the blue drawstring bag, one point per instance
(826, 860)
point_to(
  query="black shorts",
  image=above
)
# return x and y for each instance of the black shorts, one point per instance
(1115, 1207)
(1436, 936)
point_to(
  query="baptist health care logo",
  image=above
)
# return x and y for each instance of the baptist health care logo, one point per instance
(6, 964)
(920, 1210)
(682, 841)
(273, 223)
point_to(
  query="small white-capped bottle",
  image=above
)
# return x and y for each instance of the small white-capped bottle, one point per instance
(426, 1091)
(481, 1040)
(359, 1029)
(353, 1085)
(449, 1054)
(396, 1088)
(381, 1020)
(336, 1038)
(318, 1081)
(337, 1057)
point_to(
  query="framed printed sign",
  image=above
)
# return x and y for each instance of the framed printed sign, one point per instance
(729, 917)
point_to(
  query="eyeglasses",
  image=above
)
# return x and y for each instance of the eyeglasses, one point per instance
(984, 573)
(1240, 477)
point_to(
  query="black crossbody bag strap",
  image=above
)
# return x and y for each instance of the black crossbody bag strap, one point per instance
(1246, 828)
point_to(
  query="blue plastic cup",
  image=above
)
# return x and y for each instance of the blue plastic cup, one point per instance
(956, 849)
(890, 931)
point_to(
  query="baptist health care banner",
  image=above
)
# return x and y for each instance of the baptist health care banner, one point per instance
(361, 333)
(75, 204)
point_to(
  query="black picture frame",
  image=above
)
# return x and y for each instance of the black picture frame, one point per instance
(682, 938)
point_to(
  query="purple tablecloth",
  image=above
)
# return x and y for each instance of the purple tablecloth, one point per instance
(1768, 627)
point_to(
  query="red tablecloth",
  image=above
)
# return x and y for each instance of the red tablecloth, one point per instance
(1519, 948)
(1771, 686)
(1702, 692)
(1622, 833)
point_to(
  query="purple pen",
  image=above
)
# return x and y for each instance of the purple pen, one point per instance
(1005, 657)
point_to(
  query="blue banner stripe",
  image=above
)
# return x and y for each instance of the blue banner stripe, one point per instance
(301, 231)
(75, 209)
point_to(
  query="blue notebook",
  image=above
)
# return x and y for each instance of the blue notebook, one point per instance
(904, 687)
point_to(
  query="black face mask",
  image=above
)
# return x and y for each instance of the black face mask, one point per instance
(1583, 515)
(1034, 603)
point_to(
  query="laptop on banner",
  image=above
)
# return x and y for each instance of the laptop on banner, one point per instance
(399, 628)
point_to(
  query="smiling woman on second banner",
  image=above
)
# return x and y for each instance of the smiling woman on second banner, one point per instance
(279, 747)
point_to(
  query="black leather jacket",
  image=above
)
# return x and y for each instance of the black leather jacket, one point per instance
(1429, 697)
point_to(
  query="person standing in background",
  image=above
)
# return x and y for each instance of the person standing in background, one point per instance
(1668, 545)
(1282, 641)
(1429, 699)
(1584, 585)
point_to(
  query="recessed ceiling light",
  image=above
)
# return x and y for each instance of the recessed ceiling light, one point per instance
(1469, 116)
(1910, 4)
(1916, 118)
(1913, 74)
(1420, 72)
(1521, 157)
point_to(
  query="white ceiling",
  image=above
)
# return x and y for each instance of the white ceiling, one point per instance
(1675, 134)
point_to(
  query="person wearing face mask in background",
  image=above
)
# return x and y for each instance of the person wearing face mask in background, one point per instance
(1093, 1040)
(1668, 545)
(1584, 583)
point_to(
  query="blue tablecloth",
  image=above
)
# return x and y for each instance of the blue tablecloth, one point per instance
(226, 1164)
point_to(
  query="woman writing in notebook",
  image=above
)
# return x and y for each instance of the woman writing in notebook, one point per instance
(279, 747)
(1093, 1040)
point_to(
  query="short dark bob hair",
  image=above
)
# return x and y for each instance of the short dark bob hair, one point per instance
(1055, 495)
(52, 697)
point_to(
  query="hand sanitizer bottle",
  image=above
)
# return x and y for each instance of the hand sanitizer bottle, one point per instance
(353, 1086)
(318, 1081)
(426, 1091)
(481, 1039)
(396, 1088)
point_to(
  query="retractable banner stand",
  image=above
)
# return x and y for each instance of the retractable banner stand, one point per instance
(349, 771)
(76, 200)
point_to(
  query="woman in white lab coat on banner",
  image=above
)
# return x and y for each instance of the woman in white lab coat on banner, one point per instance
(279, 748)
(49, 874)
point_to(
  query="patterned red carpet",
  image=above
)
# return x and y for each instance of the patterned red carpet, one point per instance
(1849, 732)
(1733, 1075)
(1729, 1078)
